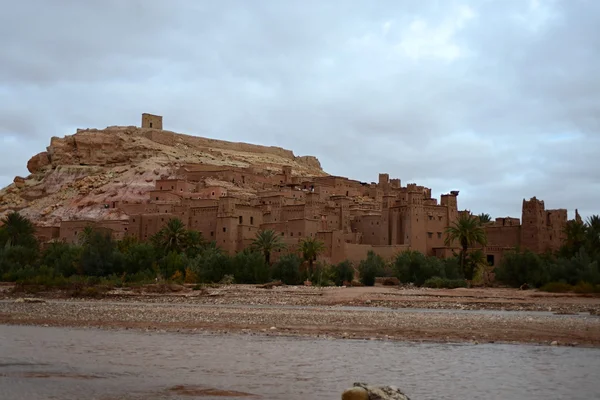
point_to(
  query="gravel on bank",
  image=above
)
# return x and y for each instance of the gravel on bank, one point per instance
(314, 321)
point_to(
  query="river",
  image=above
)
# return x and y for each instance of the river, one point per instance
(65, 363)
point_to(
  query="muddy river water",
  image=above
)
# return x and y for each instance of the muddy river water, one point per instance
(65, 363)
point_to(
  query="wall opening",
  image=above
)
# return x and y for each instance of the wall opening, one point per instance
(490, 259)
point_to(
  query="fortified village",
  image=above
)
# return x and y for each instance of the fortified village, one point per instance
(349, 216)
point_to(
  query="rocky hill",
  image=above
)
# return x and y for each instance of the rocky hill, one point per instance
(80, 173)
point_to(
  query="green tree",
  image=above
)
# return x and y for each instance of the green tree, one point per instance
(249, 267)
(64, 258)
(138, 257)
(212, 264)
(593, 236)
(171, 263)
(517, 268)
(467, 231)
(576, 235)
(414, 266)
(310, 249)
(17, 230)
(343, 272)
(484, 218)
(266, 242)
(195, 243)
(370, 268)
(85, 235)
(287, 269)
(99, 256)
(173, 237)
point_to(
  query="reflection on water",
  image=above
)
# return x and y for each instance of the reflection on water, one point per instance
(65, 363)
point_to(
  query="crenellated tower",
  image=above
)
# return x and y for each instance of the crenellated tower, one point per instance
(533, 224)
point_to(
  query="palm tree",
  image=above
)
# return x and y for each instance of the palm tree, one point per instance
(593, 235)
(484, 218)
(173, 236)
(267, 241)
(467, 231)
(18, 230)
(593, 222)
(86, 235)
(576, 233)
(311, 248)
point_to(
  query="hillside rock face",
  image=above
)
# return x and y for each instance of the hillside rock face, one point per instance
(80, 174)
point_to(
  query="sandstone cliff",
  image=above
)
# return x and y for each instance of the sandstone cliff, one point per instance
(79, 174)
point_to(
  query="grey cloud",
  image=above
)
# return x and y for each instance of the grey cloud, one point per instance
(502, 104)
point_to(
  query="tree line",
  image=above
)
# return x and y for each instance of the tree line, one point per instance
(182, 255)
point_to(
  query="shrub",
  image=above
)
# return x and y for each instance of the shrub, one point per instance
(63, 257)
(343, 272)
(585, 287)
(287, 269)
(324, 275)
(172, 263)
(452, 268)
(190, 276)
(177, 277)
(227, 280)
(557, 287)
(370, 268)
(212, 265)
(99, 256)
(415, 267)
(444, 283)
(138, 257)
(250, 267)
(518, 267)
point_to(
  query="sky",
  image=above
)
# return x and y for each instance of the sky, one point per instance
(499, 99)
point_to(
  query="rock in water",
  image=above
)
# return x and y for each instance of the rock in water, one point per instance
(355, 393)
(381, 392)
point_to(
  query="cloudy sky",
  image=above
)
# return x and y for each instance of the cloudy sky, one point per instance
(499, 99)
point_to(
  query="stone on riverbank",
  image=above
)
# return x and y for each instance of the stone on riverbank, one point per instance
(362, 391)
(355, 393)
(29, 300)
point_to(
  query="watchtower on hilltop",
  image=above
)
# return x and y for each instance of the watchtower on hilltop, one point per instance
(152, 121)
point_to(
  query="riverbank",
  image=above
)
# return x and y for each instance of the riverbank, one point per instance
(459, 315)
(502, 299)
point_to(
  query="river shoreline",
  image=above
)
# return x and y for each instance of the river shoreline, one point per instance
(380, 313)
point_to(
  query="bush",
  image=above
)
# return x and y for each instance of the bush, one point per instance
(585, 287)
(227, 280)
(517, 268)
(138, 257)
(324, 275)
(212, 265)
(415, 267)
(250, 267)
(287, 269)
(63, 257)
(556, 287)
(190, 276)
(100, 256)
(343, 272)
(444, 283)
(562, 287)
(452, 268)
(370, 268)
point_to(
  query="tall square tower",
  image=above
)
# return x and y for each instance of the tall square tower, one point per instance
(152, 121)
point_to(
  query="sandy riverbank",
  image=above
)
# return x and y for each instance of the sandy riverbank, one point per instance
(306, 311)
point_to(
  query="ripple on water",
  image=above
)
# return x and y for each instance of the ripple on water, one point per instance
(43, 363)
